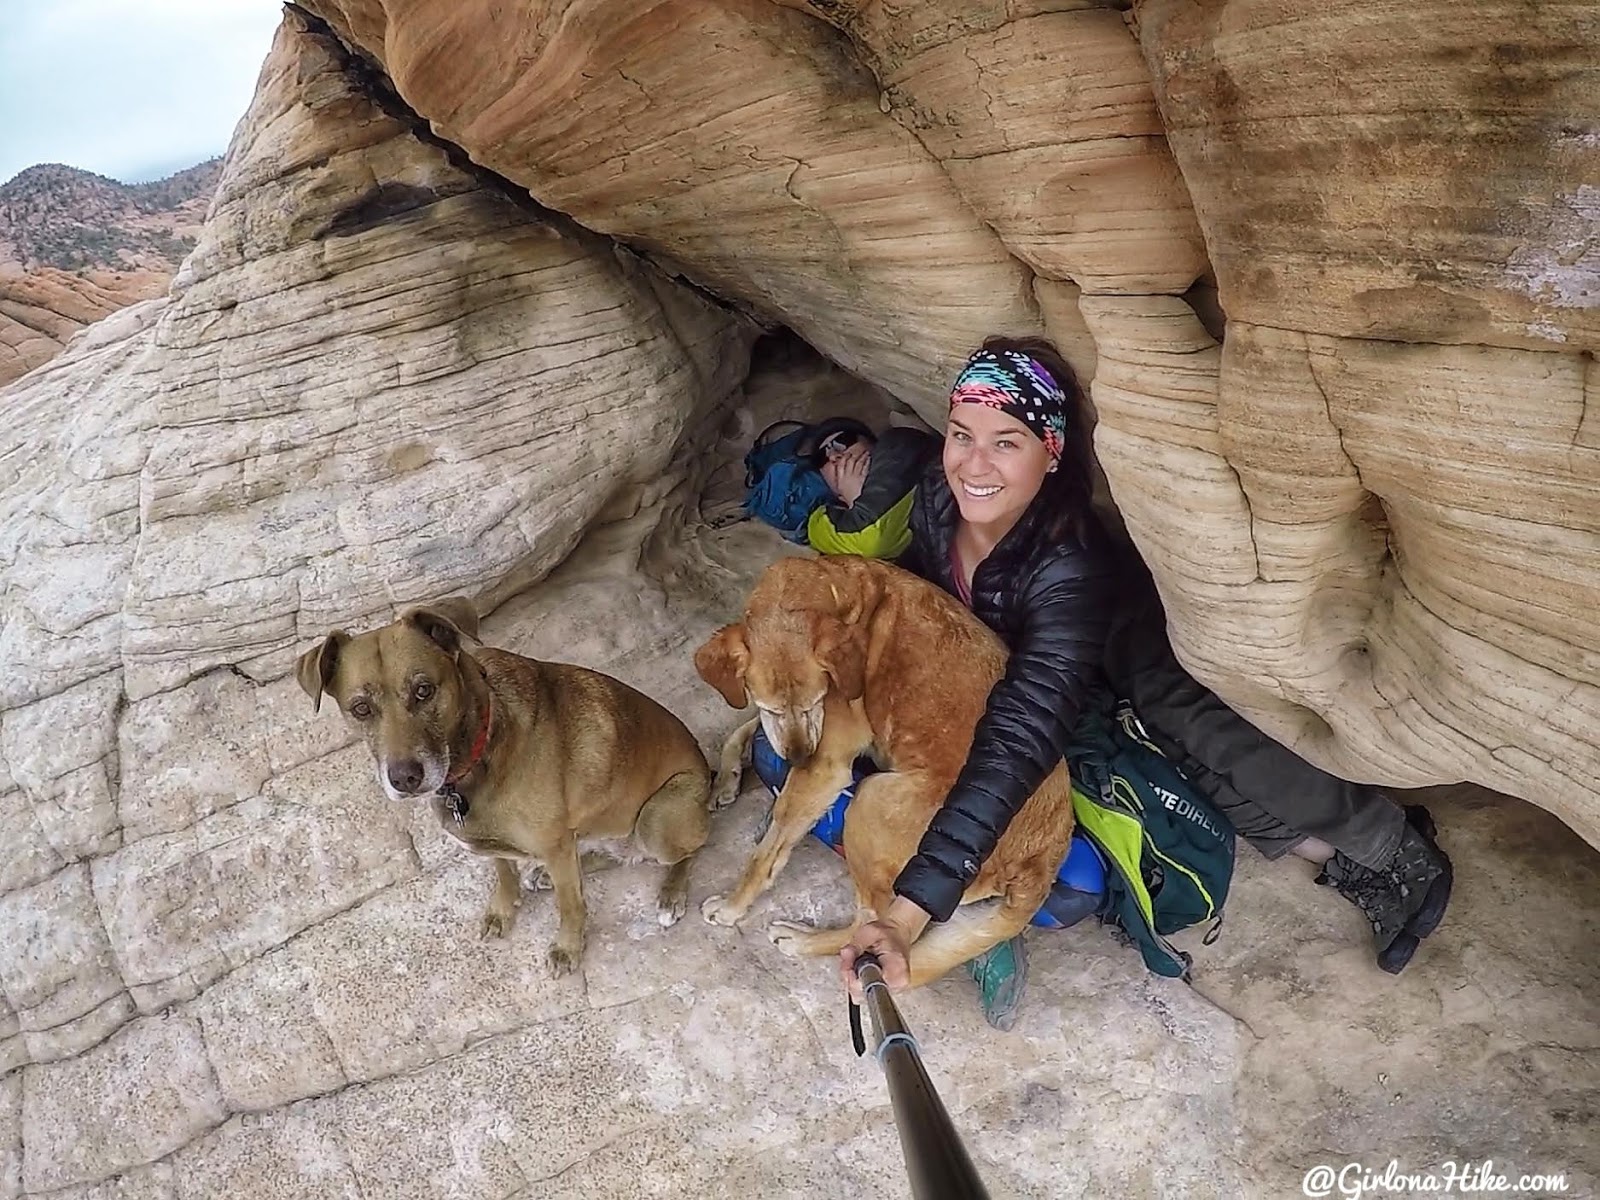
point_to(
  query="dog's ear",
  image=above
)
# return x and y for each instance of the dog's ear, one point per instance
(841, 651)
(722, 662)
(856, 592)
(315, 667)
(445, 621)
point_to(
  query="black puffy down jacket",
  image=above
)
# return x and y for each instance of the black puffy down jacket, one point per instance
(1050, 600)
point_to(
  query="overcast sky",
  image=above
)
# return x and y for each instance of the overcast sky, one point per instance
(133, 89)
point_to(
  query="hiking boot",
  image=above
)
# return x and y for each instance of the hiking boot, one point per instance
(1398, 955)
(1379, 900)
(1423, 872)
(1406, 900)
(1001, 973)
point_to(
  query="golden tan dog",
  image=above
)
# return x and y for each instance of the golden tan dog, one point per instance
(849, 656)
(522, 760)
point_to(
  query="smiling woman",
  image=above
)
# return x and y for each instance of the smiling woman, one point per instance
(995, 468)
(1007, 527)
(1010, 441)
(133, 89)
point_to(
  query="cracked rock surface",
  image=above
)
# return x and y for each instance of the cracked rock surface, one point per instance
(1369, 500)
(230, 967)
(384, 1050)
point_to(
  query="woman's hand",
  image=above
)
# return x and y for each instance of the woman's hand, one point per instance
(889, 938)
(847, 474)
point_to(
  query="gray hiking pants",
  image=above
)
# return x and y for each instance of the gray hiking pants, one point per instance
(1273, 797)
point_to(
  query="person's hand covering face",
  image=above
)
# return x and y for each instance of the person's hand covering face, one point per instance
(846, 472)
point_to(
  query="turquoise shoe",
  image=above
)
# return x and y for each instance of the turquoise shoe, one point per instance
(1001, 973)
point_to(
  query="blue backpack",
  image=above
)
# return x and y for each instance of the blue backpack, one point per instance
(782, 487)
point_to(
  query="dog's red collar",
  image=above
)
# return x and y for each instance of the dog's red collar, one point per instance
(478, 744)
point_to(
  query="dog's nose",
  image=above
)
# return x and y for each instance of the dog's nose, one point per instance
(405, 776)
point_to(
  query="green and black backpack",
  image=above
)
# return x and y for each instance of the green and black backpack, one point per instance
(1169, 852)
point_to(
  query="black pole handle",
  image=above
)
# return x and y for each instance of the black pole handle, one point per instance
(936, 1161)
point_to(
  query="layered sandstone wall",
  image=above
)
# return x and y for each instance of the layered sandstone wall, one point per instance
(378, 376)
(228, 967)
(1371, 503)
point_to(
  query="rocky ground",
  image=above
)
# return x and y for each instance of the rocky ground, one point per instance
(384, 1051)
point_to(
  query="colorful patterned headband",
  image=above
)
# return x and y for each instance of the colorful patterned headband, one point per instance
(1019, 387)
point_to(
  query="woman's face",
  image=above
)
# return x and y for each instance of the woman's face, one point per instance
(994, 465)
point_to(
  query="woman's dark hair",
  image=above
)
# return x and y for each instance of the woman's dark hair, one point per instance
(1066, 494)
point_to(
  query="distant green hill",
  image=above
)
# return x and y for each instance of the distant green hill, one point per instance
(58, 216)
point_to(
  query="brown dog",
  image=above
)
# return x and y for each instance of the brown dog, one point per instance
(522, 760)
(849, 656)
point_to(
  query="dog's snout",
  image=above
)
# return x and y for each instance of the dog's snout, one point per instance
(405, 775)
(795, 734)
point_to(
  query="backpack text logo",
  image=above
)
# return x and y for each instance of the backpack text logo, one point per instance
(1175, 803)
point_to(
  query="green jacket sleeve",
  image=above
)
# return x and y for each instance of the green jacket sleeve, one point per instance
(887, 537)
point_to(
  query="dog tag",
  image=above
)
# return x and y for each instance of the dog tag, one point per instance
(456, 801)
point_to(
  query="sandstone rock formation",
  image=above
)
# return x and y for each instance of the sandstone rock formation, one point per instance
(374, 373)
(1371, 508)
(1403, 228)
(41, 309)
(228, 967)
(75, 247)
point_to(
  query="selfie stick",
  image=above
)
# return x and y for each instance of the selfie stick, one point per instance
(936, 1161)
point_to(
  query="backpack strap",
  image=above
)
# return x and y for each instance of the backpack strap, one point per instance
(777, 430)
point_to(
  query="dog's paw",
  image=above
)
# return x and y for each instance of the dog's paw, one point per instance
(726, 792)
(670, 908)
(789, 936)
(540, 881)
(561, 960)
(496, 924)
(718, 911)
